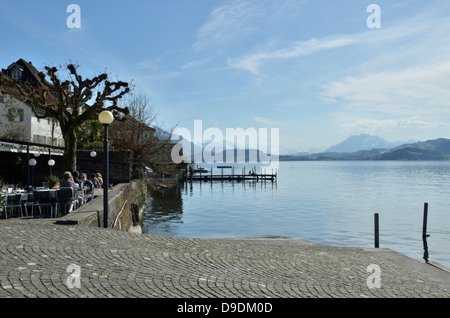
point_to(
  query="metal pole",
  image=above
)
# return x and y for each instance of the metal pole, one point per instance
(377, 231)
(105, 178)
(425, 220)
(49, 158)
(28, 167)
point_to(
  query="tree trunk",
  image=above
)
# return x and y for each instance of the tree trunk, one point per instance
(70, 150)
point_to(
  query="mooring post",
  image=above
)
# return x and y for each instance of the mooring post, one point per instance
(377, 231)
(425, 220)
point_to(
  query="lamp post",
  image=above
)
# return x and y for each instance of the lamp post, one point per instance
(32, 163)
(51, 163)
(105, 118)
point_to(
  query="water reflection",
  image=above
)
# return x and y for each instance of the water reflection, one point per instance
(425, 250)
(164, 212)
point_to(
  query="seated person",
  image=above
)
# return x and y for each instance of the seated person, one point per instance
(88, 187)
(67, 181)
(99, 178)
(76, 179)
(94, 180)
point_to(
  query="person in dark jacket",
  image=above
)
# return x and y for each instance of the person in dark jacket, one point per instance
(67, 181)
(77, 180)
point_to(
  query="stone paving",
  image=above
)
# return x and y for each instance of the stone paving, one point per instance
(44, 260)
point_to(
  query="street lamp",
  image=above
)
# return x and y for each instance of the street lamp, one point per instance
(51, 163)
(105, 118)
(32, 163)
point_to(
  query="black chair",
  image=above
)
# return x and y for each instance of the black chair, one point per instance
(41, 198)
(28, 202)
(12, 202)
(65, 197)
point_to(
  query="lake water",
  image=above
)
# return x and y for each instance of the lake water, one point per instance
(327, 202)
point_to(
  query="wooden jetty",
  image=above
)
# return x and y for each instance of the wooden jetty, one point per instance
(251, 176)
(231, 177)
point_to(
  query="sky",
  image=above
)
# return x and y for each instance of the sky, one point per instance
(317, 70)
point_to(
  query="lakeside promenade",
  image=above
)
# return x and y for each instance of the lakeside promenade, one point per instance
(40, 259)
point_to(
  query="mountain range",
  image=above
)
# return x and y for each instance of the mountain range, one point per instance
(361, 147)
(366, 147)
(364, 142)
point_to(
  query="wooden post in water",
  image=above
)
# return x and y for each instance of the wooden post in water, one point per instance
(425, 220)
(377, 231)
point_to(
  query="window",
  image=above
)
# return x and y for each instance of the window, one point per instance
(11, 115)
(15, 113)
(17, 74)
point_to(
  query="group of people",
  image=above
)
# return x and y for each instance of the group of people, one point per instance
(81, 181)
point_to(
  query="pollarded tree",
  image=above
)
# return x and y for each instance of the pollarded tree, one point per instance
(72, 102)
(148, 146)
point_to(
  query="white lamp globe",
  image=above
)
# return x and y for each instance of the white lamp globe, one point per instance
(106, 117)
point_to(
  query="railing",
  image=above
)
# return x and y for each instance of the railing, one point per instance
(119, 215)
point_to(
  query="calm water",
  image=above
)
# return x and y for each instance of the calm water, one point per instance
(325, 202)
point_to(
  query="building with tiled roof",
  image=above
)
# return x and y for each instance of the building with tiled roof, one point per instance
(17, 120)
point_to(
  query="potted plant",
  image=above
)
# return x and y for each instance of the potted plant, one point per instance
(53, 181)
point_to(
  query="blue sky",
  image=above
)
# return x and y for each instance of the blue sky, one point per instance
(312, 68)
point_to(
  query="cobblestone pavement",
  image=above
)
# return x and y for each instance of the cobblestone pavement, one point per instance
(40, 259)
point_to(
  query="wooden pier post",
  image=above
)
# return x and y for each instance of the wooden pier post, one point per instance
(425, 220)
(377, 231)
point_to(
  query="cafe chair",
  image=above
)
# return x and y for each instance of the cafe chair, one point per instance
(65, 197)
(12, 202)
(41, 198)
(28, 202)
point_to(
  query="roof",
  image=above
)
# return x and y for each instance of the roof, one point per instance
(29, 75)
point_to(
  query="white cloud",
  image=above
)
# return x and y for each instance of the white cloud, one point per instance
(417, 90)
(149, 64)
(375, 126)
(253, 62)
(196, 63)
(225, 24)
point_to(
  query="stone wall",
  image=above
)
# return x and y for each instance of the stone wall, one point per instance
(126, 202)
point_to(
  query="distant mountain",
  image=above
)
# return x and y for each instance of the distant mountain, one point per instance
(362, 142)
(219, 150)
(436, 149)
